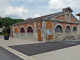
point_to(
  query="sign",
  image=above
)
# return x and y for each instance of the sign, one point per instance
(54, 22)
(49, 31)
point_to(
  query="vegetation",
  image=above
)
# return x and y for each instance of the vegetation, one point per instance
(7, 30)
(6, 35)
(9, 21)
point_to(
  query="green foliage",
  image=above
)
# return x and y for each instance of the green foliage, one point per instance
(7, 30)
(6, 35)
(9, 21)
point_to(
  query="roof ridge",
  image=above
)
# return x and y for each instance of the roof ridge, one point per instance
(43, 16)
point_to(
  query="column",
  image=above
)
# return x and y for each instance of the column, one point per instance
(13, 32)
(35, 32)
(44, 31)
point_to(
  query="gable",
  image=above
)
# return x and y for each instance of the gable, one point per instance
(61, 17)
(72, 19)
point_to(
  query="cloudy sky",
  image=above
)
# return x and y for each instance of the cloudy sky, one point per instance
(34, 8)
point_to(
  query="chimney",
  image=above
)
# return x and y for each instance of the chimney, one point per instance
(78, 15)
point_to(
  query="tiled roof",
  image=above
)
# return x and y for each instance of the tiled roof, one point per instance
(39, 18)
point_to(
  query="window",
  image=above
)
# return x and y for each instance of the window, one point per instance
(74, 28)
(67, 29)
(22, 30)
(29, 30)
(58, 29)
(67, 17)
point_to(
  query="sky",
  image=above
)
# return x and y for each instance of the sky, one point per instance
(34, 8)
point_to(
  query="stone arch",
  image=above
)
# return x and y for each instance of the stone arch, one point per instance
(16, 30)
(67, 28)
(74, 28)
(30, 26)
(67, 13)
(22, 29)
(38, 29)
(59, 25)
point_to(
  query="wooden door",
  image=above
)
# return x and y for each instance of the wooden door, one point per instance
(39, 35)
(12, 34)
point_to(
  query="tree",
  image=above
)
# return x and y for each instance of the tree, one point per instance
(7, 30)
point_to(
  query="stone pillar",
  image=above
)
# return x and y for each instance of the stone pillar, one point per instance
(44, 31)
(35, 32)
(79, 30)
(79, 27)
(78, 24)
(19, 33)
(53, 32)
(13, 32)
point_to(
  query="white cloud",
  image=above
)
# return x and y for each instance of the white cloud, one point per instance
(59, 4)
(56, 4)
(7, 10)
(36, 15)
(16, 11)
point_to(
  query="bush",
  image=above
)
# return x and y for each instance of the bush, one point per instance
(7, 29)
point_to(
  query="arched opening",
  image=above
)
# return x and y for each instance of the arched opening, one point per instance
(16, 30)
(39, 35)
(22, 30)
(29, 30)
(74, 29)
(67, 17)
(58, 29)
(67, 29)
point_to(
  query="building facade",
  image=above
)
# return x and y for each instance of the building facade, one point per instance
(53, 27)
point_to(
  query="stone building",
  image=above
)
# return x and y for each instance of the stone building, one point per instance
(53, 27)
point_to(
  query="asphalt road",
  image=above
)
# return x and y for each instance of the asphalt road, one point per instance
(6, 55)
(3, 57)
(38, 48)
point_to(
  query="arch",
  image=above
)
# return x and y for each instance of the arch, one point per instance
(67, 29)
(74, 28)
(58, 28)
(38, 29)
(16, 30)
(31, 29)
(67, 16)
(22, 29)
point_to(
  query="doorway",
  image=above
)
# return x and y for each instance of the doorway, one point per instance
(39, 35)
(12, 34)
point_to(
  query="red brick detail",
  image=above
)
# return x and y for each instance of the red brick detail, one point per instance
(62, 17)
(72, 20)
(37, 25)
(64, 25)
(25, 25)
